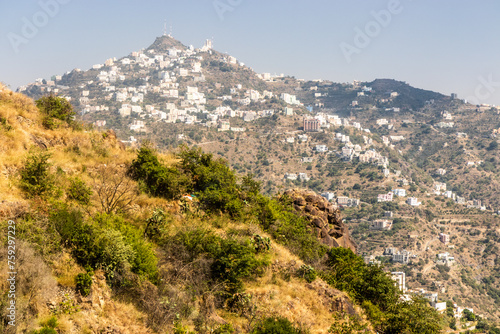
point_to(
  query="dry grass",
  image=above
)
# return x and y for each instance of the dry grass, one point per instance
(280, 293)
(65, 269)
(73, 151)
(291, 299)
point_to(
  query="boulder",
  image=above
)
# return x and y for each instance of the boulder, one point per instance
(324, 217)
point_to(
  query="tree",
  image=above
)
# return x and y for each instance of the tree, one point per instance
(114, 189)
(55, 108)
(158, 180)
(414, 316)
(468, 315)
(349, 273)
(79, 192)
(493, 146)
(36, 179)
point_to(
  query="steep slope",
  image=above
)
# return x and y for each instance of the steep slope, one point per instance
(53, 262)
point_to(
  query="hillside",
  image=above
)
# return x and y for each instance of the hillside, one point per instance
(117, 240)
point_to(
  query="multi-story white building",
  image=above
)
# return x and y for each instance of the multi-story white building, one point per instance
(400, 278)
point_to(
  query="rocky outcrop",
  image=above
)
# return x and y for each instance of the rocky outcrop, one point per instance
(333, 299)
(324, 218)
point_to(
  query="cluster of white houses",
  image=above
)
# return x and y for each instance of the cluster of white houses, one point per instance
(342, 201)
(413, 201)
(399, 278)
(111, 83)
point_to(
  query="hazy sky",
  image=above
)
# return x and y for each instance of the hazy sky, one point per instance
(446, 45)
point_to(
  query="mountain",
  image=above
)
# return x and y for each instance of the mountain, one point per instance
(372, 138)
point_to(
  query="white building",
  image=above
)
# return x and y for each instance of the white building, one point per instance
(385, 197)
(401, 257)
(381, 224)
(321, 148)
(328, 195)
(382, 121)
(304, 177)
(125, 110)
(136, 125)
(399, 192)
(307, 159)
(400, 278)
(441, 171)
(290, 99)
(413, 201)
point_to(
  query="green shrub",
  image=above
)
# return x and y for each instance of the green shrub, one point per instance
(155, 225)
(5, 124)
(224, 329)
(348, 272)
(48, 327)
(415, 316)
(51, 322)
(468, 315)
(36, 179)
(50, 123)
(144, 261)
(79, 191)
(112, 251)
(308, 273)
(276, 325)
(108, 243)
(232, 259)
(45, 330)
(374, 289)
(180, 329)
(84, 283)
(211, 179)
(220, 199)
(346, 325)
(76, 234)
(157, 179)
(261, 244)
(55, 108)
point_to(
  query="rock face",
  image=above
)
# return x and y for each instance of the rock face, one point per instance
(324, 218)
